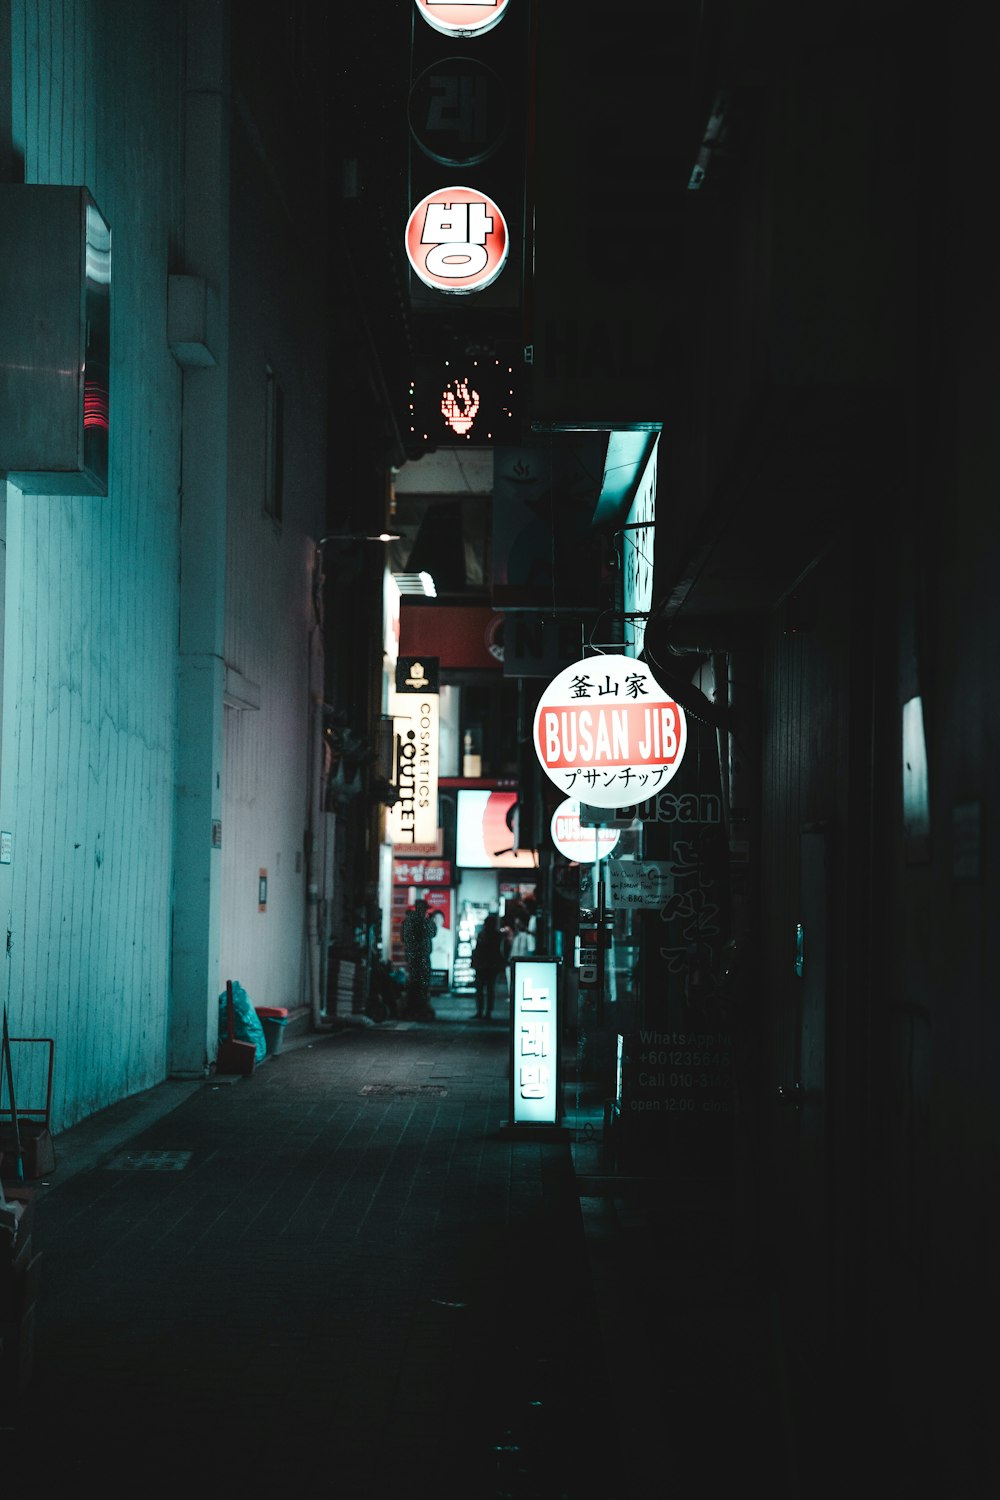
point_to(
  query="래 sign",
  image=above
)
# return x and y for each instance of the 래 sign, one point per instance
(606, 732)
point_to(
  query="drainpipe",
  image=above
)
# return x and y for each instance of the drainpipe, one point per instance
(314, 865)
(315, 839)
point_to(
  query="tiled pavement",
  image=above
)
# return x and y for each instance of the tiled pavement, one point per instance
(342, 1271)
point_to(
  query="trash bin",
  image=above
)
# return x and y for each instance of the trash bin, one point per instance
(274, 1019)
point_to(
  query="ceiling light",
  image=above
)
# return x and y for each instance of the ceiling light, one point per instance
(359, 536)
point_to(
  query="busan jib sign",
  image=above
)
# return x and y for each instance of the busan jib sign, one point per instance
(606, 733)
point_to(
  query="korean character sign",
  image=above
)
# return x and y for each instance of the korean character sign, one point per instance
(535, 1072)
(468, 110)
(457, 240)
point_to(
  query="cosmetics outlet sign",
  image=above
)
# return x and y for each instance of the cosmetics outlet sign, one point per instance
(606, 733)
(413, 819)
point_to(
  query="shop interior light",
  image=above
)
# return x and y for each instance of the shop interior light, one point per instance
(415, 583)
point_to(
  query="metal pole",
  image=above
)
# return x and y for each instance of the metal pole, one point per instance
(13, 1104)
(601, 961)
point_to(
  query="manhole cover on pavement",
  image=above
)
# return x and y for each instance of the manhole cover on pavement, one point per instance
(433, 1090)
(149, 1161)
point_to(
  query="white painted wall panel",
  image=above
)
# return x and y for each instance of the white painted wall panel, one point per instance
(276, 302)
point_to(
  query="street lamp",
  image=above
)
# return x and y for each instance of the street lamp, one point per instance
(359, 536)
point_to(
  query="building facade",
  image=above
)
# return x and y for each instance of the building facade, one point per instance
(163, 660)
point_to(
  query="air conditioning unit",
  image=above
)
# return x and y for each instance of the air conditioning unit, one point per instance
(55, 325)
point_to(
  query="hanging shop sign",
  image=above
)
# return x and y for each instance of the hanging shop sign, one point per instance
(606, 732)
(584, 845)
(457, 240)
(534, 1072)
(462, 17)
(414, 706)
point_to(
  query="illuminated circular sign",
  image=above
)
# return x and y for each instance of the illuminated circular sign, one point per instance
(606, 733)
(462, 18)
(570, 838)
(457, 240)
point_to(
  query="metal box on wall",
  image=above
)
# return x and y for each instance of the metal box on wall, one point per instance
(55, 324)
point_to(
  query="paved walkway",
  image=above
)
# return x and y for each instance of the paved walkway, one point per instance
(341, 1270)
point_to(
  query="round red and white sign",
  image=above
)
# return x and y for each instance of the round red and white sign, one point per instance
(584, 845)
(606, 733)
(464, 17)
(457, 240)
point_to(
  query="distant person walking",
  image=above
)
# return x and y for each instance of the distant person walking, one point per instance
(489, 960)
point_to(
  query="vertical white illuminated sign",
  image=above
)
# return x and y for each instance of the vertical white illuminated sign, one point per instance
(534, 1073)
(637, 557)
(413, 704)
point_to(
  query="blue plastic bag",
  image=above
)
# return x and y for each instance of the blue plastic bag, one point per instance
(246, 1021)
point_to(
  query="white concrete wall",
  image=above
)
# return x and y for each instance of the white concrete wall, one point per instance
(271, 630)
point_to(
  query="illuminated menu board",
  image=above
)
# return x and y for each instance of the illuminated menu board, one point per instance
(534, 1073)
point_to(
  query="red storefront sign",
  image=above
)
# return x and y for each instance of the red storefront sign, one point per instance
(458, 635)
(421, 871)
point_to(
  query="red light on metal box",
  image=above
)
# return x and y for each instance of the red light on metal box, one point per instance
(464, 398)
(459, 406)
(96, 406)
(457, 240)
